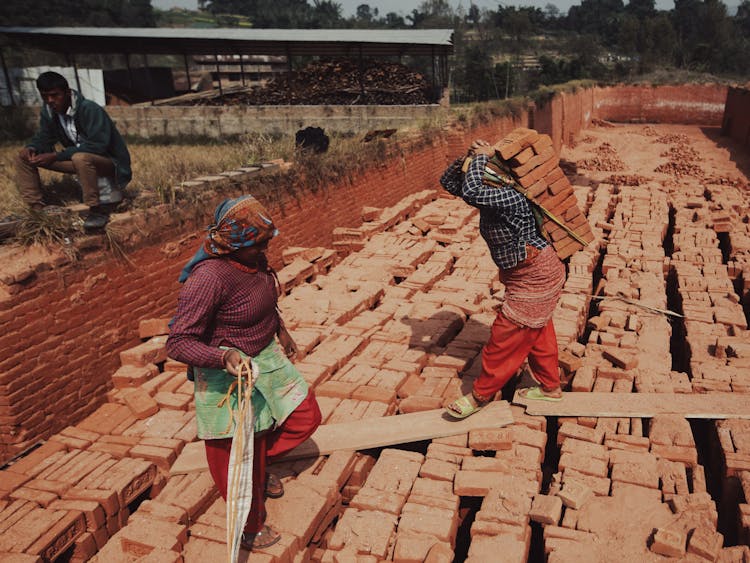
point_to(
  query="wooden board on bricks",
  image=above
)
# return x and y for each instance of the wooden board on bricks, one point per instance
(371, 433)
(640, 405)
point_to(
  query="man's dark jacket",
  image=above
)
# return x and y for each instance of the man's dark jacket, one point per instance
(97, 134)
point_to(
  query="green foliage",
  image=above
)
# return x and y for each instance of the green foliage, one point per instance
(96, 13)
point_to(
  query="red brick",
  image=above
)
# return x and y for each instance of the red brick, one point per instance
(153, 327)
(161, 457)
(35, 462)
(106, 419)
(141, 404)
(107, 499)
(129, 477)
(584, 464)
(42, 498)
(117, 451)
(128, 376)
(418, 403)
(669, 542)
(546, 509)
(56, 487)
(147, 534)
(574, 494)
(421, 519)
(437, 469)
(366, 530)
(153, 351)
(92, 511)
(369, 498)
(59, 537)
(491, 439)
(10, 481)
(620, 358)
(414, 548)
(705, 543)
(193, 493)
(368, 393)
(80, 433)
(175, 401)
(70, 442)
(85, 547)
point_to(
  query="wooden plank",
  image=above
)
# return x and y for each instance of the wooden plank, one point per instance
(370, 433)
(641, 405)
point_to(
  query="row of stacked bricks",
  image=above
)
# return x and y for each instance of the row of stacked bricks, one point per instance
(611, 469)
(535, 164)
(628, 343)
(728, 211)
(716, 330)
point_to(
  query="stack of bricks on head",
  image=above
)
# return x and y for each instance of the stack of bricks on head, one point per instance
(534, 164)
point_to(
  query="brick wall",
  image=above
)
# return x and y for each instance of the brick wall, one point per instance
(736, 121)
(693, 104)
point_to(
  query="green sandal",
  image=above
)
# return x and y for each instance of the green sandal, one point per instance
(464, 409)
(536, 394)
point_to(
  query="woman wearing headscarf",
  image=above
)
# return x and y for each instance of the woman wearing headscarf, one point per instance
(227, 312)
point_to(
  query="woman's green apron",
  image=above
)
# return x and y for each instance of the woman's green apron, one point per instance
(279, 389)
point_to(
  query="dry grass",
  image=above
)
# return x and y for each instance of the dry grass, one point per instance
(155, 167)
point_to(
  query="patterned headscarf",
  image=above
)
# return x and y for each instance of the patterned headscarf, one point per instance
(238, 223)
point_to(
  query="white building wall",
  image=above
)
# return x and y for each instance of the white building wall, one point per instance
(23, 82)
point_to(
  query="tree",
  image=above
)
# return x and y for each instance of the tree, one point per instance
(596, 17)
(641, 9)
(432, 13)
(365, 14)
(474, 16)
(394, 21)
(102, 13)
(742, 18)
(475, 77)
(551, 12)
(325, 14)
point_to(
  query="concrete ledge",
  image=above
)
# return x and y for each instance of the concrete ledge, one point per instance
(223, 121)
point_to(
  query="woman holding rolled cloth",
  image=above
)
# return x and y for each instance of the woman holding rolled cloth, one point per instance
(533, 277)
(227, 311)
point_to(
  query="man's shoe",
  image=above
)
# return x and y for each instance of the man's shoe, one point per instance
(95, 219)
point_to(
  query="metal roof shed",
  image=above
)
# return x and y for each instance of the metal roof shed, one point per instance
(229, 41)
(436, 43)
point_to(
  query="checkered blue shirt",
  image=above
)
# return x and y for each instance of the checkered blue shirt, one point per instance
(505, 219)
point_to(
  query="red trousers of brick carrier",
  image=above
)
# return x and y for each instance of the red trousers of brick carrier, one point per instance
(297, 428)
(509, 345)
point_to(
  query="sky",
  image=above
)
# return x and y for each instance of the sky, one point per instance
(405, 7)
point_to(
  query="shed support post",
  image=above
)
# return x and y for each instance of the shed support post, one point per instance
(7, 78)
(187, 72)
(150, 83)
(218, 75)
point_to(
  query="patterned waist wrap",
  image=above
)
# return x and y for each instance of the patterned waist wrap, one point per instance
(532, 289)
(279, 389)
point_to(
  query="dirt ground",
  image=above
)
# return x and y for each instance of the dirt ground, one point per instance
(639, 149)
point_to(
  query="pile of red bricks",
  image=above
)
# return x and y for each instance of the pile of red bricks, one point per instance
(616, 468)
(535, 164)
(397, 326)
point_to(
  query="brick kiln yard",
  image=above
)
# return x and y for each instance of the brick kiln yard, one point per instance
(396, 327)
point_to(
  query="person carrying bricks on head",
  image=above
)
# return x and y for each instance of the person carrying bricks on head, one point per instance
(533, 276)
(227, 312)
(92, 149)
